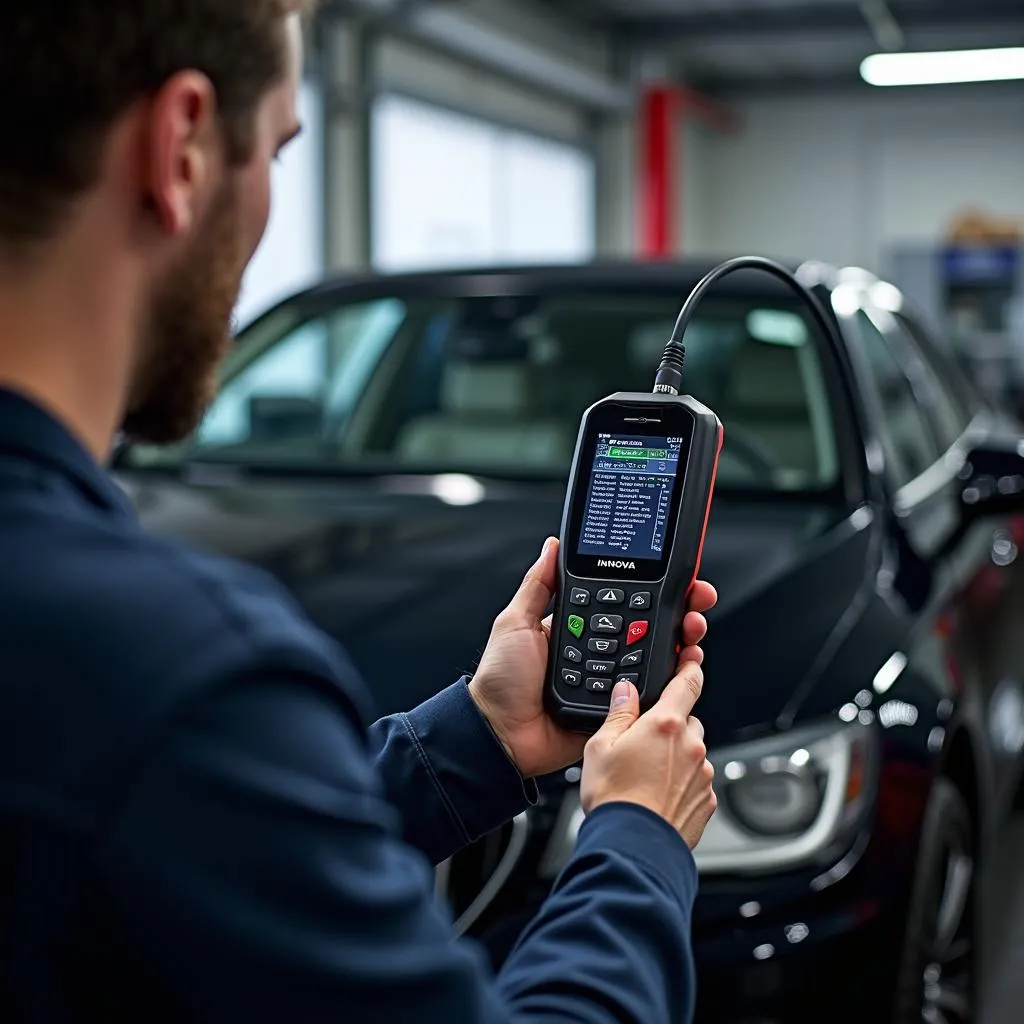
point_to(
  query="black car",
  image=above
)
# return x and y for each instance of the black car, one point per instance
(396, 448)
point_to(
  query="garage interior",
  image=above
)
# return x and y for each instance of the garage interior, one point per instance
(672, 128)
(624, 139)
(574, 130)
(774, 106)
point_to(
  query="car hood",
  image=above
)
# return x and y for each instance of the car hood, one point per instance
(409, 573)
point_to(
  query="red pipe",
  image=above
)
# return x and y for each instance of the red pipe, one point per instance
(658, 179)
(657, 199)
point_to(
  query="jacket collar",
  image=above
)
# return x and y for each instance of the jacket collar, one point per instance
(28, 431)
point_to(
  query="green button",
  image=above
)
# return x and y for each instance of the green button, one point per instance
(576, 625)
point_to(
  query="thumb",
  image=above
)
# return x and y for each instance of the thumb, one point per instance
(538, 587)
(624, 711)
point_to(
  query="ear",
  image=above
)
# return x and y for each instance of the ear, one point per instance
(182, 150)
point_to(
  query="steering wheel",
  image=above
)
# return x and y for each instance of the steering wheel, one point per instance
(744, 445)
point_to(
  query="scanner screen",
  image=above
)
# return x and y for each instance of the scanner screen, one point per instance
(629, 497)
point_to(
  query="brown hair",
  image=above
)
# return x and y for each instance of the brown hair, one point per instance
(70, 68)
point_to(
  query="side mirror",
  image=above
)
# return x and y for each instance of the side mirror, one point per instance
(284, 417)
(992, 479)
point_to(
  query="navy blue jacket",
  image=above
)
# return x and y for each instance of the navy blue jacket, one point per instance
(199, 821)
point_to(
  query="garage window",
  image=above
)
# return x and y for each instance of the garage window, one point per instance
(452, 190)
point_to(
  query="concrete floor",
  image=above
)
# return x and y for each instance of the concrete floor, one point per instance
(1002, 994)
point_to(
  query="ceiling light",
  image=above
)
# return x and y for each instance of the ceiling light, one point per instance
(944, 67)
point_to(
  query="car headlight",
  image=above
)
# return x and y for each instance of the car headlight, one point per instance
(784, 801)
(788, 799)
(776, 796)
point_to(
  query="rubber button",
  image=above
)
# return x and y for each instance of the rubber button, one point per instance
(610, 596)
(640, 600)
(602, 645)
(628, 677)
(572, 654)
(633, 658)
(576, 625)
(579, 597)
(598, 685)
(571, 677)
(637, 631)
(606, 624)
(601, 668)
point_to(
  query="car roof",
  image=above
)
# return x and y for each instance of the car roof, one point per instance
(638, 276)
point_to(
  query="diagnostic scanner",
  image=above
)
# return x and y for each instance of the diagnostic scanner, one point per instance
(636, 511)
(632, 532)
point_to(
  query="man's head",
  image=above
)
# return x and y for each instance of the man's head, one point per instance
(149, 126)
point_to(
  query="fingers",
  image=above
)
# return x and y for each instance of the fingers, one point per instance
(694, 654)
(683, 690)
(703, 597)
(622, 713)
(695, 626)
(538, 587)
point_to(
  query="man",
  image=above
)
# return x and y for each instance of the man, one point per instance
(197, 821)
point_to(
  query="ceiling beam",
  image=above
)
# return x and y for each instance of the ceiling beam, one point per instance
(849, 45)
(445, 28)
(803, 16)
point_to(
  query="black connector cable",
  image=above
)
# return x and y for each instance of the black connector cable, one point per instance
(669, 379)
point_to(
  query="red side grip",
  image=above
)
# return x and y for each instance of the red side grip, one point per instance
(707, 510)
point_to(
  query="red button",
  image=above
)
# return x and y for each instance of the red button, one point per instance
(637, 631)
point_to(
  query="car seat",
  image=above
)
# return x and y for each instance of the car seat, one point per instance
(489, 417)
(765, 395)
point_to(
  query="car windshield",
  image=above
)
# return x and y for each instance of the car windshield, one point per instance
(497, 385)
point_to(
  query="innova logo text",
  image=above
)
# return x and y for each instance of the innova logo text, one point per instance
(607, 563)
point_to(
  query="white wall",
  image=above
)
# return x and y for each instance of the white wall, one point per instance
(616, 192)
(695, 214)
(842, 178)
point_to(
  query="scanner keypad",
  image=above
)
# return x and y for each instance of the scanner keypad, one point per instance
(614, 635)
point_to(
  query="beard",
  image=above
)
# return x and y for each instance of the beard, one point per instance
(187, 330)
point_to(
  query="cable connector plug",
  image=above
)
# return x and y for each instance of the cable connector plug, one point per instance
(669, 379)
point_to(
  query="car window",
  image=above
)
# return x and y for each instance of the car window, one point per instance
(280, 391)
(911, 446)
(952, 387)
(936, 401)
(499, 384)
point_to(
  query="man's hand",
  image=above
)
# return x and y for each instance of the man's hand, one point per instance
(656, 760)
(508, 687)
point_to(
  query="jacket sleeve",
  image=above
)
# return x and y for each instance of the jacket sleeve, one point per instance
(257, 863)
(447, 774)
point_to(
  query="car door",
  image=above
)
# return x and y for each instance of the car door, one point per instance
(930, 573)
(986, 566)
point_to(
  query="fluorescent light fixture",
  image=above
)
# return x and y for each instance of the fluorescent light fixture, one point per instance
(944, 67)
